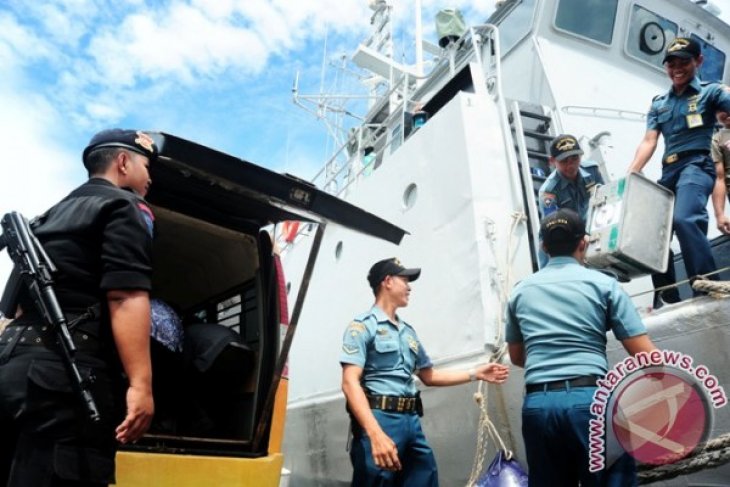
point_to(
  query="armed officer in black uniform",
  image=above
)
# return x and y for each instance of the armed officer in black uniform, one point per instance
(100, 238)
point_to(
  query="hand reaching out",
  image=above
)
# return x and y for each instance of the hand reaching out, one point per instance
(493, 372)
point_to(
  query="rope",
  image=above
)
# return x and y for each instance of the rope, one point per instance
(714, 288)
(677, 284)
(715, 453)
(486, 428)
(485, 431)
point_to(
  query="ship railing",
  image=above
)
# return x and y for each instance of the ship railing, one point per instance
(346, 166)
(337, 178)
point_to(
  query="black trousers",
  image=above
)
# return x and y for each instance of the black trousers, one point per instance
(46, 439)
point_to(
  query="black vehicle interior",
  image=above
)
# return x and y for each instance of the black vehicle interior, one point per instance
(222, 282)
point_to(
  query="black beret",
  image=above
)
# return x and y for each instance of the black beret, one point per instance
(390, 267)
(133, 140)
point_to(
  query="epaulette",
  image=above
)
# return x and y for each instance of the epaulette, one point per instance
(589, 163)
(363, 316)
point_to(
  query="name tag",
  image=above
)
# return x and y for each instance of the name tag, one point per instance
(694, 120)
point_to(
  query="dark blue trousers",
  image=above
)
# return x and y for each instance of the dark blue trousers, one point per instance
(692, 180)
(555, 427)
(416, 457)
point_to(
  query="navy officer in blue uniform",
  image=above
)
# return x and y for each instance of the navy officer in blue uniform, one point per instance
(570, 184)
(685, 116)
(563, 350)
(100, 239)
(380, 354)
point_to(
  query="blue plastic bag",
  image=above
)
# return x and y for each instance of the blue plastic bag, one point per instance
(503, 472)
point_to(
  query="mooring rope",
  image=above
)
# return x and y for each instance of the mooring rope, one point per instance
(713, 288)
(486, 428)
(716, 452)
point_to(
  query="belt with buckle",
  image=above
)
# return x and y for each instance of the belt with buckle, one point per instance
(559, 385)
(672, 158)
(397, 404)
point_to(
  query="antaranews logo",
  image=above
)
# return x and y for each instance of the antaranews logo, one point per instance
(657, 406)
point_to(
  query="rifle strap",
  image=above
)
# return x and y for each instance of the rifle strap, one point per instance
(12, 341)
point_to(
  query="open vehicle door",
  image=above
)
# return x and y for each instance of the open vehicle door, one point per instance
(214, 261)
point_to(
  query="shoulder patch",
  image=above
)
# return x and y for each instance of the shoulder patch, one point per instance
(148, 217)
(355, 328)
(413, 344)
(548, 199)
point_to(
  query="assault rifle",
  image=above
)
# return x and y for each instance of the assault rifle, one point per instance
(36, 270)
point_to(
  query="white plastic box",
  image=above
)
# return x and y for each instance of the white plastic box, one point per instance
(630, 227)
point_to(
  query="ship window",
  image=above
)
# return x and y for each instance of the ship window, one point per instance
(513, 24)
(714, 64)
(593, 19)
(410, 195)
(649, 35)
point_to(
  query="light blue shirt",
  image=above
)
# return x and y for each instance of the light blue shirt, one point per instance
(558, 192)
(389, 353)
(562, 314)
(668, 114)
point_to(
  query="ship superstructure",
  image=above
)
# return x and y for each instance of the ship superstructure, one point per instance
(454, 152)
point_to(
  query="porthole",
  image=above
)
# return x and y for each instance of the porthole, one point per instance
(410, 195)
(338, 250)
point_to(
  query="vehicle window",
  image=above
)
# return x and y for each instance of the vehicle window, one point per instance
(649, 35)
(713, 66)
(593, 19)
(515, 24)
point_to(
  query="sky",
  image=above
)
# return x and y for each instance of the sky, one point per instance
(218, 72)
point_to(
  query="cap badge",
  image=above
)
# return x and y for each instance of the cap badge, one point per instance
(145, 141)
(397, 262)
(678, 44)
(557, 221)
(565, 144)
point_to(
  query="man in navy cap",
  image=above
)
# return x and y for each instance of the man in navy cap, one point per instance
(685, 116)
(563, 350)
(570, 184)
(380, 354)
(100, 239)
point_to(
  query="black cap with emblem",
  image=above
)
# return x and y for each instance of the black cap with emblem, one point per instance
(563, 226)
(133, 140)
(390, 267)
(564, 146)
(682, 47)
